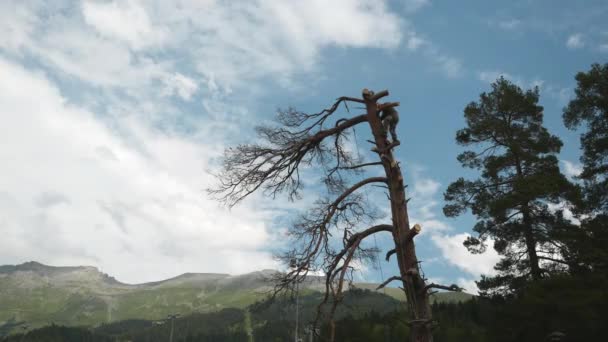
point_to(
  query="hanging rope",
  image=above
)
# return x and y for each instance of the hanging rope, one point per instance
(367, 200)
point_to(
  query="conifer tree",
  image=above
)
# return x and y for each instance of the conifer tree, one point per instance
(519, 178)
(589, 108)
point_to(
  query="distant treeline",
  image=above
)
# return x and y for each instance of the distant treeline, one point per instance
(545, 309)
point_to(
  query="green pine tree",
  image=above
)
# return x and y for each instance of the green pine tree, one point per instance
(519, 177)
(589, 108)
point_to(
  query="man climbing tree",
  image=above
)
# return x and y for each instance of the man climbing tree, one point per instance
(520, 177)
(276, 165)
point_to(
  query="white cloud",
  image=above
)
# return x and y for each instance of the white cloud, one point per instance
(451, 66)
(423, 210)
(423, 205)
(432, 224)
(110, 42)
(181, 85)
(425, 187)
(125, 20)
(571, 169)
(456, 254)
(441, 61)
(468, 285)
(114, 43)
(74, 191)
(448, 65)
(415, 5)
(17, 25)
(509, 24)
(566, 209)
(414, 42)
(362, 271)
(561, 94)
(575, 41)
(98, 152)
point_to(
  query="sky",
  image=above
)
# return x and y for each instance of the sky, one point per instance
(114, 115)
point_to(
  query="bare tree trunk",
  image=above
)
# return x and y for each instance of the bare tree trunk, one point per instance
(274, 169)
(416, 293)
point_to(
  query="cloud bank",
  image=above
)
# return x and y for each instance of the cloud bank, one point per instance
(114, 112)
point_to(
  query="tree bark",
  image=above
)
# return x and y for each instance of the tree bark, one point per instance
(531, 245)
(528, 233)
(416, 294)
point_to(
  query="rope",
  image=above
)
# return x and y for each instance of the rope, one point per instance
(367, 200)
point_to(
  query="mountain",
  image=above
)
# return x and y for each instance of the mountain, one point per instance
(82, 295)
(41, 294)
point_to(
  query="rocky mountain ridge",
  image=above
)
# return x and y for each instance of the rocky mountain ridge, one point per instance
(82, 295)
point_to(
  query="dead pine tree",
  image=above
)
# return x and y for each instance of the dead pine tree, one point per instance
(328, 237)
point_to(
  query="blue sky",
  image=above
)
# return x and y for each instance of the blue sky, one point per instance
(114, 112)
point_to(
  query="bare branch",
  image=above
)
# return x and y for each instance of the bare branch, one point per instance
(389, 253)
(415, 230)
(275, 168)
(352, 99)
(315, 230)
(379, 95)
(387, 281)
(336, 270)
(293, 118)
(360, 165)
(452, 287)
(309, 142)
(359, 185)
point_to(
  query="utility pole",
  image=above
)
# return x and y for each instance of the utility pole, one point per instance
(297, 308)
(294, 265)
(172, 317)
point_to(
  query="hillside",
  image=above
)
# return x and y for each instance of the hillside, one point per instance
(40, 294)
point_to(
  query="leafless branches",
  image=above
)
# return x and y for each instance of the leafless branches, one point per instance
(328, 237)
(387, 281)
(337, 270)
(452, 287)
(275, 164)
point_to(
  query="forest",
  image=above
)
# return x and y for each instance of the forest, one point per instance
(479, 319)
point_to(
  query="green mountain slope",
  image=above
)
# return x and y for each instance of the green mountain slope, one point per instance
(41, 295)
